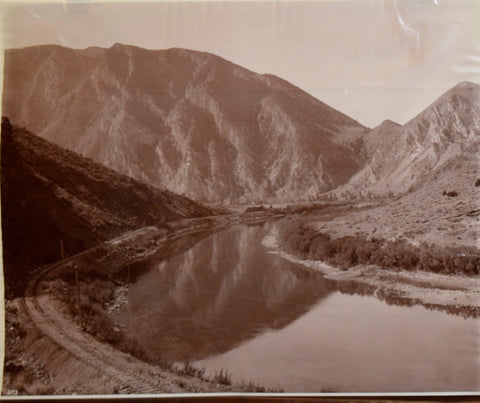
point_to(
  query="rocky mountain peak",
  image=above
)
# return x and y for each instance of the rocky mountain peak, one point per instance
(400, 157)
(388, 123)
(463, 99)
(468, 90)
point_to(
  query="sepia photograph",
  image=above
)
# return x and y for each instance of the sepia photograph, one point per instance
(266, 198)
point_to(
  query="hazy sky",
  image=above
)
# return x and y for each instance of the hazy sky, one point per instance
(371, 59)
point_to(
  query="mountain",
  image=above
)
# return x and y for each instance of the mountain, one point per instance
(400, 157)
(50, 195)
(183, 120)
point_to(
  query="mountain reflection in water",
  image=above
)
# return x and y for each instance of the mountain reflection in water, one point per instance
(224, 290)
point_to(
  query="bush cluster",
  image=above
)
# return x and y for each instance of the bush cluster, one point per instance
(350, 251)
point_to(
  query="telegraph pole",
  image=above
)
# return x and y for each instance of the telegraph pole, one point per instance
(77, 286)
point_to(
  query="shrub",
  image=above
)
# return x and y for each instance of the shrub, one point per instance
(349, 251)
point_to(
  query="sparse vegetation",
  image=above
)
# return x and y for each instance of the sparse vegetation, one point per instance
(94, 296)
(223, 377)
(190, 370)
(252, 387)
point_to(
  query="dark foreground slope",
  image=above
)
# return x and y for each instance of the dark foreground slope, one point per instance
(51, 195)
(188, 121)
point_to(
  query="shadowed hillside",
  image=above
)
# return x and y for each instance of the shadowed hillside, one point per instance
(51, 195)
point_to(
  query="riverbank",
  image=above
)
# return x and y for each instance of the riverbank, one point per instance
(456, 294)
(49, 352)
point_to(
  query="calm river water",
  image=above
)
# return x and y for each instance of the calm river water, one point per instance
(227, 303)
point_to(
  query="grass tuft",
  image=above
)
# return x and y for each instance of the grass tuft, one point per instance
(223, 377)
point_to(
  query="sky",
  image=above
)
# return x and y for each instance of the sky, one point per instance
(370, 59)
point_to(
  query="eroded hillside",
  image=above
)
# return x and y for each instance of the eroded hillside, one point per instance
(188, 121)
(401, 158)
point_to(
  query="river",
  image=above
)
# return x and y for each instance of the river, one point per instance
(228, 303)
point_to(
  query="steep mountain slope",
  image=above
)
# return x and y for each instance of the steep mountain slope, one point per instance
(188, 121)
(49, 194)
(402, 157)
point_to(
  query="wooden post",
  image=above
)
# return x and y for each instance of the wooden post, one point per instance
(77, 286)
(61, 249)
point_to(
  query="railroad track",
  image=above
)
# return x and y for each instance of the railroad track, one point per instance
(130, 374)
(118, 366)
